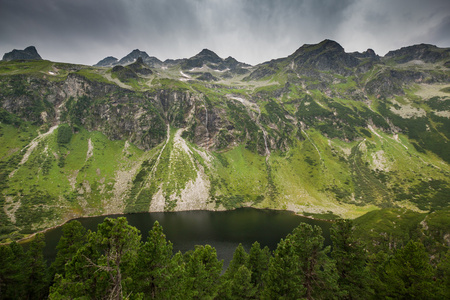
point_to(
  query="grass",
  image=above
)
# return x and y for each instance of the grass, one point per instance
(325, 160)
(389, 228)
(92, 75)
(239, 173)
(25, 67)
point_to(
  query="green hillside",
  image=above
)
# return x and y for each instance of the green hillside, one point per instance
(322, 132)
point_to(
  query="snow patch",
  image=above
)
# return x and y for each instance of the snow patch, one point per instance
(185, 75)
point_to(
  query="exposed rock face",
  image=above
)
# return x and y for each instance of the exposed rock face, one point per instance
(212, 60)
(204, 57)
(135, 54)
(369, 53)
(26, 54)
(310, 60)
(130, 58)
(424, 52)
(326, 56)
(140, 67)
(308, 137)
(207, 77)
(107, 62)
(391, 82)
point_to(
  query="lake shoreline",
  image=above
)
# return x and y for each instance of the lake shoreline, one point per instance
(30, 237)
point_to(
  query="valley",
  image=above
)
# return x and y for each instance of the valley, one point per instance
(322, 132)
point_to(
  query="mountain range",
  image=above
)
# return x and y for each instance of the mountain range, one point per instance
(322, 132)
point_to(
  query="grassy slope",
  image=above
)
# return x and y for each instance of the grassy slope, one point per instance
(391, 229)
(315, 176)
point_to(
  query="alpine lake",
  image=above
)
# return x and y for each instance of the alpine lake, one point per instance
(223, 230)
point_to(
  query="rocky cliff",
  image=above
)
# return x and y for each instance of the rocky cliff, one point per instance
(321, 132)
(26, 54)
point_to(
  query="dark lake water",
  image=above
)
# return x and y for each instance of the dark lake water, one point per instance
(223, 230)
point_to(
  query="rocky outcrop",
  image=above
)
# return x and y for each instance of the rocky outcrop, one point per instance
(109, 61)
(213, 61)
(311, 60)
(392, 82)
(424, 52)
(28, 53)
(130, 58)
(139, 67)
(207, 77)
(325, 56)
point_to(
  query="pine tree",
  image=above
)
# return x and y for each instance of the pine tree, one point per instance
(300, 267)
(18, 272)
(231, 282)
(7, 273)
(104, 266)
(443, 275)
(241, 284)
(258, 263)
(409, 274)
(240, 258)
(202, 272)
(283, 279)
(73, 238)
(35, 268)
(154, 267)
(350, 259)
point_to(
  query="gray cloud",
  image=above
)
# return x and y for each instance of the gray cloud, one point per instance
(252, 31)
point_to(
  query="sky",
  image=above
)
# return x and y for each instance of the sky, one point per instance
(252, 31)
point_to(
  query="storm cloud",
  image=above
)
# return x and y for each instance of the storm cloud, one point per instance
(252, 31)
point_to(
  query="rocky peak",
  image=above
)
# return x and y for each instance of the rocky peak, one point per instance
(133, 56)
(328, 55)
(107, 62)
(231, 60)
(204, 57)
(208, 56)
(28, 53)
(325, 45)
(424, 52)
(331, 45)
(369, 53)
(140, 67)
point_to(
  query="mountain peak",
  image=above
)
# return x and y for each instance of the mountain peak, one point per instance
(138, 52)
(28, 53)
(330, 44)
(130, 58)
(327, 55)
(209, 56)
(206, 51)
(205, 56)
(107, 62)
(133, 56)
(424, 52)
(325, 45)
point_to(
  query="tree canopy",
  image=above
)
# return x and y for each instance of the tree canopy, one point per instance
(113, 263)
